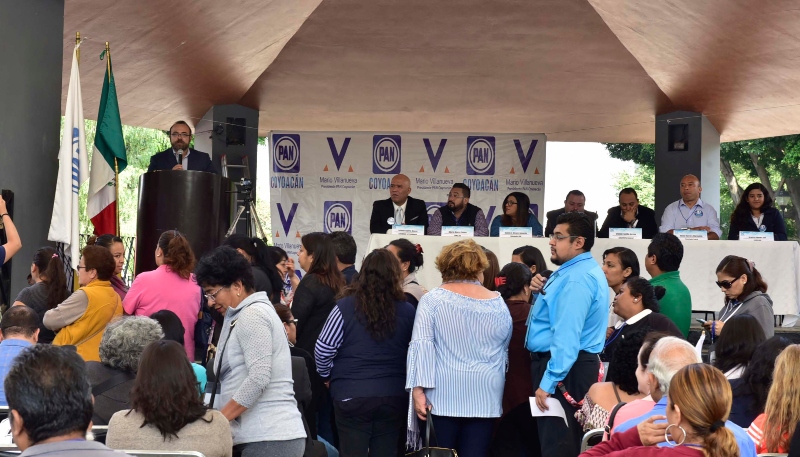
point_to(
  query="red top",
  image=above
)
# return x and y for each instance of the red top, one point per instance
(628, 444)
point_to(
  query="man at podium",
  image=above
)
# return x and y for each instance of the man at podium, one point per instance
(180, 156)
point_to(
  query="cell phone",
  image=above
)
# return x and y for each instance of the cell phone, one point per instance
(702, 321)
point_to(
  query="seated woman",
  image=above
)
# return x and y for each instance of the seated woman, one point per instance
(755, 213)
(444, 335)
(81, 319)
(167, 414)
(532, 258)
(750, 391)
(619, 264)
(773, 430)
(410, 257)
(516, 213)
(604, 399)
(173, 330)
(735, 347)
(285, 267)
(171, 286)
(112, 377)
(745, 293)
(266, 276)
(117, 247)
(48, 290)
(699, 401)
(490, 273)
(636, 304)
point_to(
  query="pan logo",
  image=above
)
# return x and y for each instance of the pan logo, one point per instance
(432, 207)
(338, 216)
(386, 154)
(480, 155)
(286, 153)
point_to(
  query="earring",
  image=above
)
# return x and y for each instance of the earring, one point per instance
(666, 435)
(635, 299)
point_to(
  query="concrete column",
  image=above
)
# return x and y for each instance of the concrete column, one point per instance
(32, 33)
(698, 156)
(230, 130)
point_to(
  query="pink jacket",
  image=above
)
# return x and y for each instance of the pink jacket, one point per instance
(162, 289)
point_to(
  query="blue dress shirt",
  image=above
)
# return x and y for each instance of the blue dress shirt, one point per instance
(571, 316)
(9, 350)
(747, 448)
(677, 215)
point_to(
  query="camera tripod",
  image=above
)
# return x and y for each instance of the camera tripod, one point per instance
(252, 223)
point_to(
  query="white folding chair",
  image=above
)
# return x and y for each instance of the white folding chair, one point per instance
(591, 438)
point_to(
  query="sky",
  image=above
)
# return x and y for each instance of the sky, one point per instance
(583, 166)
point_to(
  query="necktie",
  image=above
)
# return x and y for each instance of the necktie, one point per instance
(399, 216)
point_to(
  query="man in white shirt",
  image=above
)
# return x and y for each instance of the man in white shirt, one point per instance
(690, 213)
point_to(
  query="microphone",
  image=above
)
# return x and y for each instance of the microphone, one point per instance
(180, 156)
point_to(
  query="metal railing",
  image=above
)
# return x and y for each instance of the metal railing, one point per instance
(130, 254)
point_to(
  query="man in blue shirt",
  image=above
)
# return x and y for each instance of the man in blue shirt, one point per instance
(669, 355)
(20, 329)
(566, 332)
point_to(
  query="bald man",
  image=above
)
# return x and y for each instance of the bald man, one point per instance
(398, 209)
(690, 213)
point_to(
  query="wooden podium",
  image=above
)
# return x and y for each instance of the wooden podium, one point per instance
(195, 203)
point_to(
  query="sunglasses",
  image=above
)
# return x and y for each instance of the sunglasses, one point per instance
(726, 284)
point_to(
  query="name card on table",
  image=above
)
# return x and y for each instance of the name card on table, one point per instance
(691, 235)
(625, 233)
(458, 230)
(408, 230)
(756, 236)
(516, 232)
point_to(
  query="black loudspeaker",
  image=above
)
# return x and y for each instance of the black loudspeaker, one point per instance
(678, 138)
(5, 270)
(235, 131)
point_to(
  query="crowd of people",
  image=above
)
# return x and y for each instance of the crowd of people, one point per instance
(238, 353)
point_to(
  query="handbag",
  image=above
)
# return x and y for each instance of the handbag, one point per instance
(427, 450)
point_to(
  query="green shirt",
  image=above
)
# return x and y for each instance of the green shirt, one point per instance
(676, 303)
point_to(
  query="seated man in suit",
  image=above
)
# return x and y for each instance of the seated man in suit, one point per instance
(630, 214)
(398, 209)
(574, 203)
(180, 156)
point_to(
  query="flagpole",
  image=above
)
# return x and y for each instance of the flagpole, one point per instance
(78, 49)
(75, 284)
(116, 164)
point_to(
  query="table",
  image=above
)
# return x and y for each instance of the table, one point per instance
(777, 261)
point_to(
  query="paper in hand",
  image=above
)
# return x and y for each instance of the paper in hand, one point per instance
(555, 409)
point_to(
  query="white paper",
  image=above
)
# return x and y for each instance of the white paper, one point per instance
(756, 236)
(555, 409)
(691, 235)
(408, 230)
(458, 230)
(516, 232)
(625, 233)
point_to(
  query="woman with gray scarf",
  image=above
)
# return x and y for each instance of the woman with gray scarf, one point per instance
(253, 365)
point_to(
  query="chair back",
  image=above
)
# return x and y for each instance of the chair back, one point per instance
(591, 438)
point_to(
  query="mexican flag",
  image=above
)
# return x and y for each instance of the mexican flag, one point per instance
(108, 146)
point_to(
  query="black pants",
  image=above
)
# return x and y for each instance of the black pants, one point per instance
(515, 434)
(370, 426)
(555, 438)
(469, 436)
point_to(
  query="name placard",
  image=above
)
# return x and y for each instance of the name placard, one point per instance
(408, 230)
(691, 235)
(756, 236)
(458, 230)
(516, 232)
(625, 233)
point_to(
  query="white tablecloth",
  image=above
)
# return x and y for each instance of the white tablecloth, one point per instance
(777, 261)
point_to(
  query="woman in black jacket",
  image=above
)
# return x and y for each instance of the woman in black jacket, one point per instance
(755, 213)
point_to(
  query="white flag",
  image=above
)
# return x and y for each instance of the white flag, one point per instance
(73, 170)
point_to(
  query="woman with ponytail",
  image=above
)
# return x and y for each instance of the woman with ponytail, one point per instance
(745, 292)
(410, 257)
(171, 286)
(698, 405)
(266, 276)
(48, 290)
(114, 244)
(774, 429)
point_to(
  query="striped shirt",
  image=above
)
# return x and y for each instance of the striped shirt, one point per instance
(459, 353)
(329, 342)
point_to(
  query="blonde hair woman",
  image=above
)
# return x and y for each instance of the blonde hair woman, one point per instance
(773, 430)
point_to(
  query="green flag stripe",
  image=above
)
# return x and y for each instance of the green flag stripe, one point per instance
(108, 139)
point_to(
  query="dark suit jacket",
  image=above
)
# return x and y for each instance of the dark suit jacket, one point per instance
(552, 216)
(198, 161)
(416, 214)
(647, 222)
(773, 221)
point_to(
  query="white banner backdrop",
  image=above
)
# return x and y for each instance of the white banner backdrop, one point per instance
(324, 181)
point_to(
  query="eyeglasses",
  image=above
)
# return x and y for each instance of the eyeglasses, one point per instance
(292, 321)
(454, 196)
(562, 237)
(509, 203)
(726, 284)
(213, 296)
(180, 135)
(79, 267)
